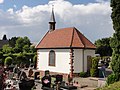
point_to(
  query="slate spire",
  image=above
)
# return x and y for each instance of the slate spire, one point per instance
(52, 21)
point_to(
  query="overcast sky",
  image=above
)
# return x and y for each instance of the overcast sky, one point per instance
(30, 17)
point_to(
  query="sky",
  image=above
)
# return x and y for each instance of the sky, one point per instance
(30, 17)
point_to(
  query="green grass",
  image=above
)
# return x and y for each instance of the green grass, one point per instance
(114, 86)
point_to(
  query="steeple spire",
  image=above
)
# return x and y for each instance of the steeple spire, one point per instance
(52, 21)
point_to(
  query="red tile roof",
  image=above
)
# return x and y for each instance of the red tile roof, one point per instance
(65, 38)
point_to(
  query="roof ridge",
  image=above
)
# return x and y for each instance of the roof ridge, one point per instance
(64, 28)
(79, 37)
(72, 37)
(82, 39)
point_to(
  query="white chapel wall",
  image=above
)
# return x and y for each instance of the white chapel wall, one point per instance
(62, 60)
(87, 52)
(79, 56)
(78, 60)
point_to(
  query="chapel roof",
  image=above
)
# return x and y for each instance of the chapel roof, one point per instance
(65, 38)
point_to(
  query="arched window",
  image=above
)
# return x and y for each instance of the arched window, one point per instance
(52, 58)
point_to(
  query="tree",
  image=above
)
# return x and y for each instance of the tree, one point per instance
(20, 49)
(22, 58)
(26, 48)
(21, 42)
(103, 47)
(6, 49)
(32, 49)
(12, 41)
(26, 41)
(115, 40)
(16, 50)
(19, 58)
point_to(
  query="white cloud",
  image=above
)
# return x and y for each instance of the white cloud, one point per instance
(92, 19)
(14, 6)
(10, 10)
(35, 14)
(1, 1)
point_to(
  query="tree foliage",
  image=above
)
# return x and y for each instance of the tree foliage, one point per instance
(20, 49)
(115, 40)
(21, 42)
(103, 47)
(6, 49)
(32, 49)
(12, 41)
(26, 48)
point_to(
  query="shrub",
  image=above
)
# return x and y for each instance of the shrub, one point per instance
(1, 54)
(95, 61)
(93, 72)
(94, 68)
(111, 79)
(34, 59)
(1, 61)
(114, 86)
(83, 74)
(8, 61)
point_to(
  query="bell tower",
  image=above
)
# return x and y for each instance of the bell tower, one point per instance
(52, 21)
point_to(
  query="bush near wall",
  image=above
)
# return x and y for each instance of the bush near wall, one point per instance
(114, 86)
(83, 74)
(112, 78)
(93, 72)
(8, 61)
(94, 68)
